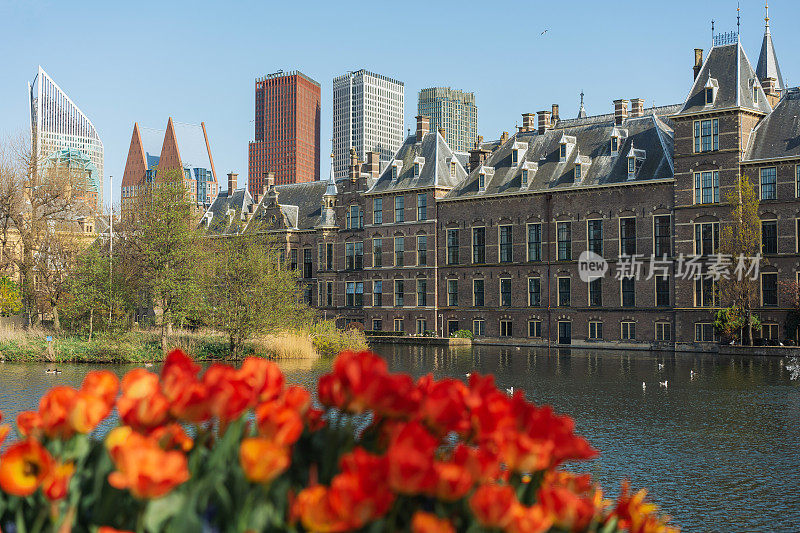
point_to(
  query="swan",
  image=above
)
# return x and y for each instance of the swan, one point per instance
(644, 385)
(663, 383)
(510, 391)
(468, 374)
(660, 366)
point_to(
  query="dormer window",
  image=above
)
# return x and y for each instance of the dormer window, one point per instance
(482, 181)
(394, 172)
(631, 167)
(710, 91)
(452, 169)
(562, 152)
(614, 144)
(578, 171)
(524, 177)
(416, 170)
(709, 95)
(514, 156)
(755, 94)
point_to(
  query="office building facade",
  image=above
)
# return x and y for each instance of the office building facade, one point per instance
(454, 112)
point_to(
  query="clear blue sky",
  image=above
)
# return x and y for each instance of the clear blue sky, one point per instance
(122, 62)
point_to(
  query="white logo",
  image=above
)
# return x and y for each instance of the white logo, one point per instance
(591, 266)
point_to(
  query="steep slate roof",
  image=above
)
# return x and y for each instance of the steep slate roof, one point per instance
(222, 223)
(778, 134)
(734, 75)
(435, 171)
(767, 66)
(592, 141)
(300, 203)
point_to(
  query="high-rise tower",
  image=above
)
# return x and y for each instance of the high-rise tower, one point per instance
(454, 111)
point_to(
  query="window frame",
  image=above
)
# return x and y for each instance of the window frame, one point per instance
(774, 291)
(774, 224)
(537, 329)
(567, 244)
(661, 326)
(658, 243)
(627, 331)
(399, 209)
(399, 252)
(772, 173)
(475, 283)
(452, 292)
(535, 245)
(377, 293)
(399, 296)
(422, 207)
(421, 287)
(538, 292)
(508, 246)
(560, 291)
(594, 244)
(596, 332)
(630, 292)
(505, 295)
(476, 230)
(422, 250)
(377, 211)
(627, 243)
(453, 250)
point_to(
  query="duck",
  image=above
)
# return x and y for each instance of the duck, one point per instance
(661, 366)
(49, 371)
(468, 374)
(663, 383)
(692, 374)
(644, 385)
(510, 391)
(148, 365)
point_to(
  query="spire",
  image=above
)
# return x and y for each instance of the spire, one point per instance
(582, 110)
(331, 189)
(768, 61)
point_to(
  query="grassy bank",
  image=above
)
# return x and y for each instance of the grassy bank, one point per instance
(143, 346)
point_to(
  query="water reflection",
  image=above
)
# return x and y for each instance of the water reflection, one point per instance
(718, 447)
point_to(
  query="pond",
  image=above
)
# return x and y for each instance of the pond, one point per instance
(719, 450)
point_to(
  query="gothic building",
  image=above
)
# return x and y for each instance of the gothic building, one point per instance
(490, 240)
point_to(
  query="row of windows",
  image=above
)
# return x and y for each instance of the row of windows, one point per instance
(706, 185)
(399, 208)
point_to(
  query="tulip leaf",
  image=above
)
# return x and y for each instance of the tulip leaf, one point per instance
(159, 511)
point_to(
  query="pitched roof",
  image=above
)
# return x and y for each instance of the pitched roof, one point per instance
(728, 68)
(767, 66)
(225, 215)
(300, 204)
(778, 134)
(590, 144)
(434, 156)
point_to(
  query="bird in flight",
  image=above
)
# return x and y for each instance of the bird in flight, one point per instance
(545, 31)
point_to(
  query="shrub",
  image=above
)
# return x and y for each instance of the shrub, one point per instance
(238, 449)
(463, 334)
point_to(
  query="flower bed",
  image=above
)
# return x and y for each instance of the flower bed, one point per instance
(239, 450)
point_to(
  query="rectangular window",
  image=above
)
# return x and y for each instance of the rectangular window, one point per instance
(631, 167)
(377, 211)
(479, 327)
(769, 237)
(354, 294)
(564, 289)
(562, 152)
(596, 292)
(422, 326)
(663, 331)
(706, 135)
(661, 236)
(293, 258)
(354, 255)
(797, 180)
(706, 187)
(514, 156)
(329, 294)
(628, 292)
(399, 209)
(422, 292)
(594, 231)
(377, 293)
(662, 291)
(422, 206)
(768, 190)
(377, 253)
(578, 171)
(534, 242)
(321, 256)
(524, 178)
(535, 329)
(534, 292)
(769, 331)
(399, 296)
(705, 292)
(627, 236)
(478, 245)
(452, 246)
(422, 250)
(477, 293)
(704, 332)
(452, 292)
(505, 292)
(769, 289)
(506, 328)
(706, 238)
(355, 217)
(308, 258)
(398, 322)
(595, 330)
(564, 234)
(329, 256)
(377, 324)
(506, 244)
(628, 331)
(481, 181)
(399, 250)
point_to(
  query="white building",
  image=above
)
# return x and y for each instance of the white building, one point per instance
(454, 111)
(57, 125)
(367, 116)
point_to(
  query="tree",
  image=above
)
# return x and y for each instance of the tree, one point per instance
(10, 302)
(159, 249)
(741, 237)
(90, 284)
(247, 291)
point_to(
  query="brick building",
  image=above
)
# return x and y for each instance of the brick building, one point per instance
(287, 128)
(440, 241)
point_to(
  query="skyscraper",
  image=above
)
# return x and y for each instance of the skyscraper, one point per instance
(367, 116)
(287, 129)
(455, 111)
(59, 128)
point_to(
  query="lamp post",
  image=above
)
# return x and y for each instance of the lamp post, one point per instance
(111, 252)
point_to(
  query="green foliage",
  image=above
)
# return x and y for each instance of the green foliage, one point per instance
(382, 333)
(463, 334)
(329, 340)
(10, 297)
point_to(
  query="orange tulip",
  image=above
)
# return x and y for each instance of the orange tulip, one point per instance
(29, 424)
(4, 430)
(411, 454)
(359, 493)
(87, 411)
(493, 505)
(636, 515)
(106, 529)
(188, 397)
(280, 424)
(56, 484)
(142, 466)
(101, 383)
(313, 507)
(533, 519)
(423, 522)
(263, 460)
(54, 409)
(172, 437)
(142, 404)
(263, 378)
(228, 393)
(23, 467)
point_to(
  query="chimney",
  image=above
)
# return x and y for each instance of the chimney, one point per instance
(698, 61)
(770, 87)
(620, 111)
(353, 169)
(232, 181)
(423, 125)
(637, 107)
(269, 183)
(528, 121)
(544, 121)
(554, 118)
(478, 154)
(503, 138)
(442, 132)
(372, 166)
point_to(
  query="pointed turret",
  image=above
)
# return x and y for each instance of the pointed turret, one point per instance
(582, 110)
(327, 218)
(767, 70)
